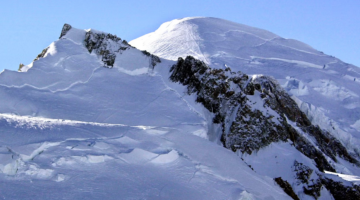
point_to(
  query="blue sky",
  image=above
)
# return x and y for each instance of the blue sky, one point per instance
(27, 27)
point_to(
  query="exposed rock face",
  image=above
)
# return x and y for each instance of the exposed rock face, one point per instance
(65, 29)
(154, 59)
(104, 45)
(42, 54)
(255, 112)
(340, 191)
(286, 187)
(20, 66)
(312, 185)
(108, 45)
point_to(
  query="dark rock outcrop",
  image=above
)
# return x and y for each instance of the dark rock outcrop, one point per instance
(103, 44)
(286, 187)
(20, 67)
(153, 59)
(254, 112)
(108, 46)
(42, 54)
(65, 29)
(341, 191)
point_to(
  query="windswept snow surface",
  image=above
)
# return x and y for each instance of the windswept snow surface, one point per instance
(58, 159)
(73, 129)
(325, 88)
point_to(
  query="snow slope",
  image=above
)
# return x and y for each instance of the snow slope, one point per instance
(72, 128)
(63, 159)
(324, 87)
(95, 118)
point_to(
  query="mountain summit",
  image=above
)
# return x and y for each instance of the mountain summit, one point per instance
(324, 87)
(213, 39)
(94, 118)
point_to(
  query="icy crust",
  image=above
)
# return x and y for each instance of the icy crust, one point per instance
(327, 88)
(255, 112)
(78, 160)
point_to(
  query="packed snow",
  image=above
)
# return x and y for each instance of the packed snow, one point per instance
(73, 129)
(325, 88)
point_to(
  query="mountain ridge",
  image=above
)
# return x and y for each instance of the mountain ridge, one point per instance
(325, 88)
(92, 106)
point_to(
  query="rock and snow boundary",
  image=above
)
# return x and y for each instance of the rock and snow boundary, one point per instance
(93, 117)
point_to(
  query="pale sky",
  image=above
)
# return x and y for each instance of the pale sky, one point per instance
(27, 27)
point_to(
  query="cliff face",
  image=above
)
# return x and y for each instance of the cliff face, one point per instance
(255, 112)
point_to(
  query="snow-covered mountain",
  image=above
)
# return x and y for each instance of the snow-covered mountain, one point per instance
(90, 118)
(324, 87)
(95, 118)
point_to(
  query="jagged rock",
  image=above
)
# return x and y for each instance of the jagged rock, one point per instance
(154, 59)
(254, 112)
(104, 45)
(286, 187)
(42, 54)
(245, 127)
(340, 191)
(20, 66)
(303, 172)
(281, 102)
(108, 45)
(65, 29)
(313, 188)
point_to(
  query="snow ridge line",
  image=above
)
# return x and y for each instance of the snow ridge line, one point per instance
(44, 122)
(182, 98)
(192, 36)
(249, 34)
(268, 40)
(47, 87)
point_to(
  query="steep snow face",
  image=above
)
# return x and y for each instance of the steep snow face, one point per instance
(213, 39)
(161, 42)
(324, 87)
(91, 118)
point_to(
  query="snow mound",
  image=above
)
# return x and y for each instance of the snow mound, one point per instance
(166, 158)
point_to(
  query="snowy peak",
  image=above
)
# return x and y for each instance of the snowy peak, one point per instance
(94, 114)
(324, 87)
(197, 36)
(90, 103)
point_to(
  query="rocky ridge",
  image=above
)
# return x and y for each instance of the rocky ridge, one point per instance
(325, 88)
(108, 46)
(254, 112)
